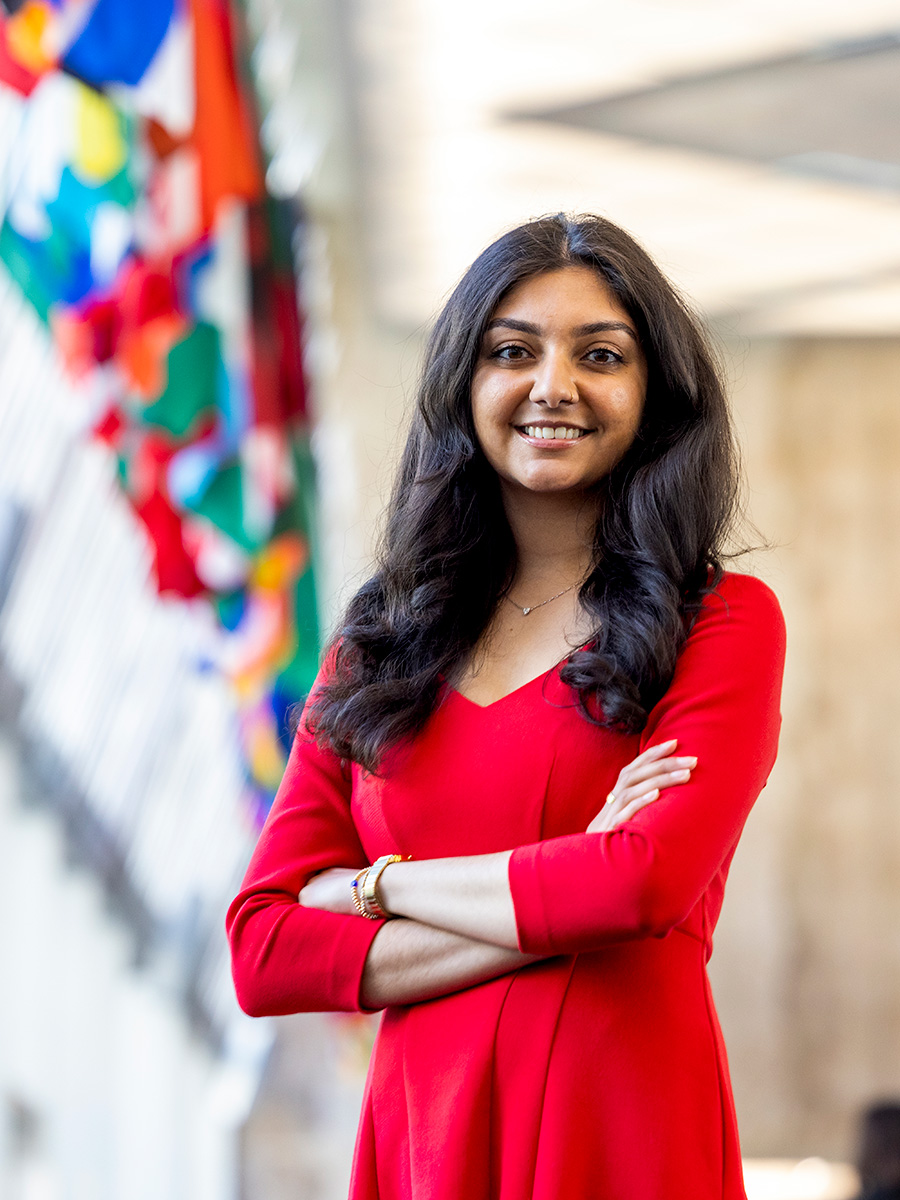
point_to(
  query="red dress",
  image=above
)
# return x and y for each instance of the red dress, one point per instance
(598, 1073)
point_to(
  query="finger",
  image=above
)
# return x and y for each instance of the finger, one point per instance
(635, 806)
(633, 775)
(651, 777)
(654, 752)
(611, 817)
(665, 780)
(630, 789)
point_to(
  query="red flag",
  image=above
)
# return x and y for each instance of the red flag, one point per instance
(12, 72)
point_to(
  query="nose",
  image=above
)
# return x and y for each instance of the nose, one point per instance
(553, 383)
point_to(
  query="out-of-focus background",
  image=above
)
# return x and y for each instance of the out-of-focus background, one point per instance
(192, 195)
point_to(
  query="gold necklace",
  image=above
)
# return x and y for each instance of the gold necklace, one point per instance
(532, 607)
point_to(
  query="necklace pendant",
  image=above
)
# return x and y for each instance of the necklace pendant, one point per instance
(532, 607)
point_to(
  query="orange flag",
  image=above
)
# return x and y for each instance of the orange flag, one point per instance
(224, 135)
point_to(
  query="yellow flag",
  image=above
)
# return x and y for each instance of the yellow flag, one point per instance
(100, 147)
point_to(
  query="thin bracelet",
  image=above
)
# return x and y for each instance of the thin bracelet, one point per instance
(356, 886)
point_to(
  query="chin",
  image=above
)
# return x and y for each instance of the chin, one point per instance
(553, 486)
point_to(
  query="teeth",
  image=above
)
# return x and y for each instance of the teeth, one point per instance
(566, 432)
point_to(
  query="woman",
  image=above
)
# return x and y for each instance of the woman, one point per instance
(556, 708)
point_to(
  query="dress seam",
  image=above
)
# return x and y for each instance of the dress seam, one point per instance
(541, 1126)
(491, 1109)
(707, 1000)
(541, 834)
(407, 1107)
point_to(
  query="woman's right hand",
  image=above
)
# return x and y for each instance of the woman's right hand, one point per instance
(640, 783)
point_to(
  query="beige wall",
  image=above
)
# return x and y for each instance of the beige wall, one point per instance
(807, 965)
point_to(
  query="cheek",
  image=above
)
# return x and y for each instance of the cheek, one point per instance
(629, 404)
(479, 418)
(490, 409)
(623, 397)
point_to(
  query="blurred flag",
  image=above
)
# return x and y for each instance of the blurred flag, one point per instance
(139, 227)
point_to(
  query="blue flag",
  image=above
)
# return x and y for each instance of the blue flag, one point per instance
(119, 41)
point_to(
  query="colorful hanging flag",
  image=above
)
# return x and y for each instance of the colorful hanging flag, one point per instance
(118, 42)
(139, 227)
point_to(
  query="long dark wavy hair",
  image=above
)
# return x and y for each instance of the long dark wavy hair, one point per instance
(448, 555)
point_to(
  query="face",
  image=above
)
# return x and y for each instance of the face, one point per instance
(560, 383)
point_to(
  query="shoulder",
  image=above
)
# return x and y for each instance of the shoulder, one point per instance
(741, 619)
(746, 597)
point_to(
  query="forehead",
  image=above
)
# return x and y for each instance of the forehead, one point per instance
(577, 291)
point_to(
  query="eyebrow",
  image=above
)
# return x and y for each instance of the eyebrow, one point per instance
(579, 331)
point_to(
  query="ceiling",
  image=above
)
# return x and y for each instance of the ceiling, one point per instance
(832, 110)
(752, 146)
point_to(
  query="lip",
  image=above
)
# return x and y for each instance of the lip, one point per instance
(554, 444)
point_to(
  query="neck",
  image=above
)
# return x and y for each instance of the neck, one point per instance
(554, 534)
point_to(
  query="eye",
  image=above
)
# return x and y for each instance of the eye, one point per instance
(603, 356)
(509, 352)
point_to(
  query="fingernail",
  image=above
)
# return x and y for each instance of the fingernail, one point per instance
(671, 742)
(681, 774)
(651, 795)
(690, 761)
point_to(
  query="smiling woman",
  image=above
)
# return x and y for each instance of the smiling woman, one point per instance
(542, 725)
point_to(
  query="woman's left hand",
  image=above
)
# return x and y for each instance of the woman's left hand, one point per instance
(330, 890)
(640, 783)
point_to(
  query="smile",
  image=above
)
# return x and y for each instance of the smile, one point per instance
(552, 433)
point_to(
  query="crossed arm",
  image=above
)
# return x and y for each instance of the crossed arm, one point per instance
(459, 923)
(466, 920)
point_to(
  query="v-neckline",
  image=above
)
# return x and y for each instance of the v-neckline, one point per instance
(522, 686)
(506, 696)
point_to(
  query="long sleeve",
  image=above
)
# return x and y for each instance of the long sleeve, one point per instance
(287, 958)
(583, 891)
